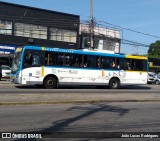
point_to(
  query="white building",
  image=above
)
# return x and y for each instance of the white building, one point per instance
(104, 39)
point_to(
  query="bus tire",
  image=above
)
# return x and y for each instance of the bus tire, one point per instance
(114, 83)
(50, 82)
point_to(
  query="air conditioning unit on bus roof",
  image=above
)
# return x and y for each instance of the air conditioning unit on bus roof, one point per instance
(97, 50)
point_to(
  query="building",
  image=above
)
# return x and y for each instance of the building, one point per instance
(23, 25)
(105, 39)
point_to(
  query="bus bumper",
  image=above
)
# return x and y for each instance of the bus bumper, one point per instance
(16, 80)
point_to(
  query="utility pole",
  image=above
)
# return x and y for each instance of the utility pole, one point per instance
(91, 26)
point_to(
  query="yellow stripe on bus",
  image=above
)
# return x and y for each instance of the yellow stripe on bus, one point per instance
(136, 71)
(42, 71)
(42, 48)
(136, 57)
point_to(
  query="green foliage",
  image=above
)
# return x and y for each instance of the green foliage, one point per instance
(154, 50)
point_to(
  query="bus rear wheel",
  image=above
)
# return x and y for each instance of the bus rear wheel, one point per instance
(50, 83)
(114, 83)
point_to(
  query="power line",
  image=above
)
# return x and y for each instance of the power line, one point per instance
(124, 41)
(131, 30)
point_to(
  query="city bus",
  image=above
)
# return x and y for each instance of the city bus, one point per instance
(53, 67)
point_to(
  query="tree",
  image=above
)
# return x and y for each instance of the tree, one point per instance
(154, 50)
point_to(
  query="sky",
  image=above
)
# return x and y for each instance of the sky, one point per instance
(138, 15)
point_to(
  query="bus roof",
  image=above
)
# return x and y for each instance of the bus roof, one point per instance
(83, 52)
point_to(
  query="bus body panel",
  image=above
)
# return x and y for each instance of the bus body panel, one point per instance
(31, 76)
(65, 76)
(71, 75)
(137, 77)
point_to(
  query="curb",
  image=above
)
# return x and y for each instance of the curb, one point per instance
(70, 102)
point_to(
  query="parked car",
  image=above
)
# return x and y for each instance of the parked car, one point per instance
(151, 77)
(157, 80)
(6, 71)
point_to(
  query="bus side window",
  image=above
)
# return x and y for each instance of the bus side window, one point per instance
(72, 60)
(35, 60)
(109, 63)
(46, 58)
(98, 62)
(91, 61)
(118, 64)
(81, 61)
(121, 64)
(105, 63)
(61, 59)
(133, 65)
(138, 65)
(54, 59)
(144, 62)
(77, 61)
(113, 64)
(66, 60)
(76, 64)
(128, 65)
(26, 61)
(85, 61)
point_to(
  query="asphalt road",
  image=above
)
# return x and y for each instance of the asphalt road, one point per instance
(79, 109)
(7, 87)
(77, 118)
(12, 94)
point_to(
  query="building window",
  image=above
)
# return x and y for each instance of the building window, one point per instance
(30, 30)
(5, 27)
(109, 45)
(63, 35)
(73, 36)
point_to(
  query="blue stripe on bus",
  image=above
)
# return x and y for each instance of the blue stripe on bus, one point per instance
(75, 51)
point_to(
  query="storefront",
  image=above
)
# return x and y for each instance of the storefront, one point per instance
(6, 54)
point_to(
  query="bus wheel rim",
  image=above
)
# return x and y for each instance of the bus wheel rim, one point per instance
(50, 82)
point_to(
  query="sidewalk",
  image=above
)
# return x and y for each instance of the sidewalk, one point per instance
(12, 98)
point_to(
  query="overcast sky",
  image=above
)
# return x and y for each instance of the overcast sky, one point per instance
(139, 15)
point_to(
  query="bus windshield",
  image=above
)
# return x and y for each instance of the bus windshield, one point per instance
(16, 62)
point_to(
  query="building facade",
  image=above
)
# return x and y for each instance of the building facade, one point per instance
(23, 25)
(105, 39)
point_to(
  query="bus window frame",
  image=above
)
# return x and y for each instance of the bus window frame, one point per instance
(33, 52)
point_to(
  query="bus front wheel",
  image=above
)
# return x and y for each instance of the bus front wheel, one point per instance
(114, 83)
(50, 82)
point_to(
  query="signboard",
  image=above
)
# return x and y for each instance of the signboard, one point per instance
(7, 49)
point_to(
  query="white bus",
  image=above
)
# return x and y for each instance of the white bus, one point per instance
(52, 67)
